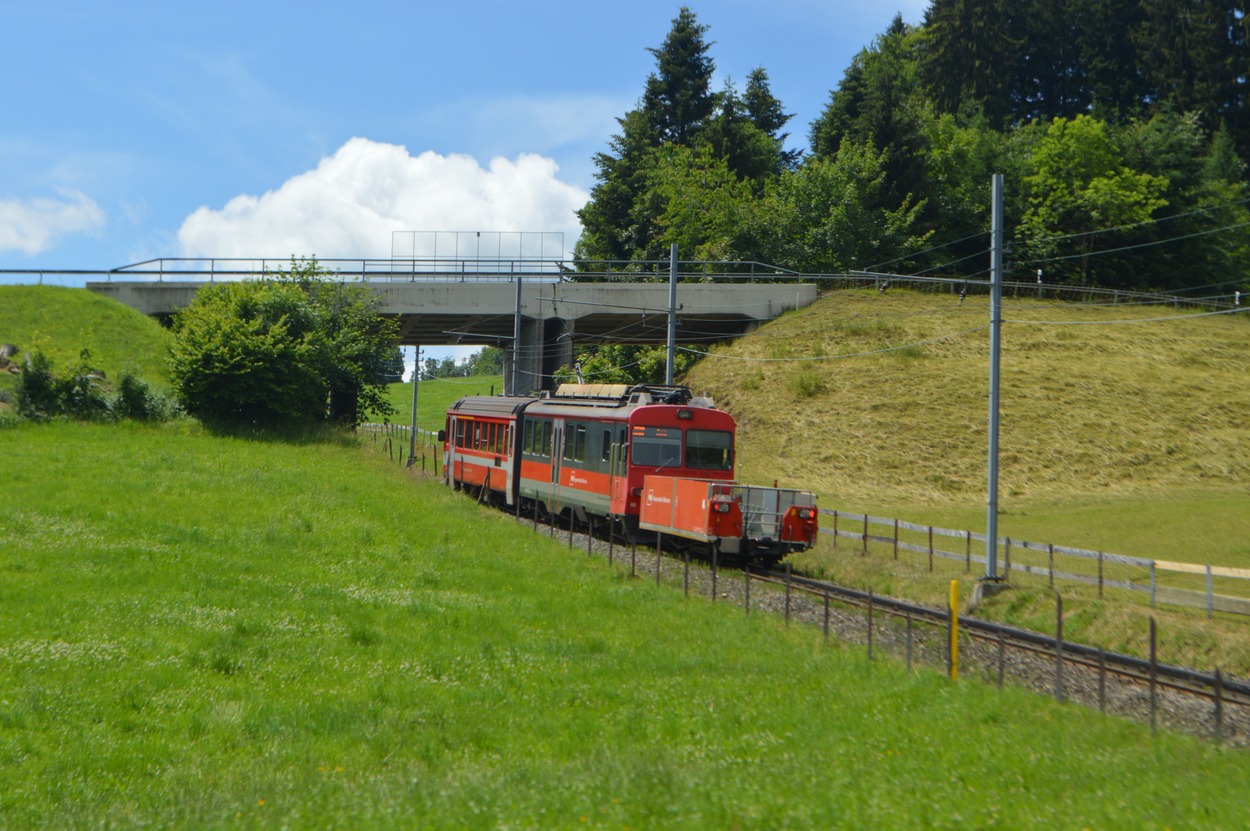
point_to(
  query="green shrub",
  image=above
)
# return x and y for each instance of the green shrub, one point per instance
(807, 384)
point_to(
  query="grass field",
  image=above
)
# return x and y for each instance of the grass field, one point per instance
(436, 395)
(206, 632)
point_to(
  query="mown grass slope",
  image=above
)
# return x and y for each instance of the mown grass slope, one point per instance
(209, 632)
(61, 322)
(879, 402)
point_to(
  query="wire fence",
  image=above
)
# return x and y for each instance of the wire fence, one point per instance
(1195, 586)
(396, 441)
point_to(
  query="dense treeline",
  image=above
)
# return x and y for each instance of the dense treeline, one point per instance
(1122, 128)
(486, 361)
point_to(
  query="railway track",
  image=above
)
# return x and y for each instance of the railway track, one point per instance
(1153, 675)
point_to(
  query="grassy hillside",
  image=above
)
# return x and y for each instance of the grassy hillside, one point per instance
(436, 395)
(203, 632)
(61, 322)
(1123, 427)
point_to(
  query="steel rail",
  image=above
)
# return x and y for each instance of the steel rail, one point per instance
(1137, 669)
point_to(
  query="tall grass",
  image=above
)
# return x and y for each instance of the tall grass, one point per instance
(212, 632)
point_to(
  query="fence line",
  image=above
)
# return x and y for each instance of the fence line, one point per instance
(1135, 574)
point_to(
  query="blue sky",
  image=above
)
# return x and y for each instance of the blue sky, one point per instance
(135, 130)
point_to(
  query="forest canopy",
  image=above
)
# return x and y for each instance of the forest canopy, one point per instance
(1122, 128)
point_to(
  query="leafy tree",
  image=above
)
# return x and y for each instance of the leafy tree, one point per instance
(486, 361)
(623, 364)
(701, 203)
(281, 352)
(834, 214)
(1080, 185)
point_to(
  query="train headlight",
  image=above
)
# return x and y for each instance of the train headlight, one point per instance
(720, 507)
(807, 513)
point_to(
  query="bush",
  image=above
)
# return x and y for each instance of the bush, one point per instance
(136, 401)
(84, 394)
(281, 353)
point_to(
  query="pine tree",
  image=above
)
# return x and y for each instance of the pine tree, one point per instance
(678, 98)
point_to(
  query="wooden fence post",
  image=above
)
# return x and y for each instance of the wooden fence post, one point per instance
(1058, 647)
(787, 594)
(659, 540)
(870, 624)
(896, 539)
(865, 551)
(1154, 674)
(1219, 705)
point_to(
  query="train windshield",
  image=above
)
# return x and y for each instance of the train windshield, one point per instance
(656, 446)
(709, 449)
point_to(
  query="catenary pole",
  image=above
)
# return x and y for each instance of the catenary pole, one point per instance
(672, 313)
(996, 321)
(416, 374)
(516, 341)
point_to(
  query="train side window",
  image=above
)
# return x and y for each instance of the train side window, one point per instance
(527, 437)
(548, 440)
(605, 453)
(575, 443)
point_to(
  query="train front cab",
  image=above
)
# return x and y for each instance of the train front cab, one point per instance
(681, 441)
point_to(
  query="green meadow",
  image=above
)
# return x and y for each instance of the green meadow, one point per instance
(207, 632)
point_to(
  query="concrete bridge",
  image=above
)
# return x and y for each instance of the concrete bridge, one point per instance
(468, 303)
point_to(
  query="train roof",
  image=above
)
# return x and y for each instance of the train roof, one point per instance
(583, 399)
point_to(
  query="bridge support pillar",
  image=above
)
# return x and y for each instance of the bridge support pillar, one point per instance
(546, 345)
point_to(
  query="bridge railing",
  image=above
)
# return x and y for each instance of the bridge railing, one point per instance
(507, 270)
(434, 269)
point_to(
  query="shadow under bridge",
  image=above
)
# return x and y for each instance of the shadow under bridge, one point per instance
(554, 317)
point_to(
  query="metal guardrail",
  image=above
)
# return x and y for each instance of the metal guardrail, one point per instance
(1147, 570)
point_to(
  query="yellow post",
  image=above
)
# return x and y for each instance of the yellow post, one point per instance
(954, 627)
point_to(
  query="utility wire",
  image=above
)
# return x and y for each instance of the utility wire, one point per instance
(886, 350)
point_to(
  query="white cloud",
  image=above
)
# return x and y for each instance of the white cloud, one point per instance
(353, 201)
(35, 225)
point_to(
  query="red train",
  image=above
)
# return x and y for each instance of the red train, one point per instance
(645, 458)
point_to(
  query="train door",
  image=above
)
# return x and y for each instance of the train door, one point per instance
(557, 455)
(618, 480)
